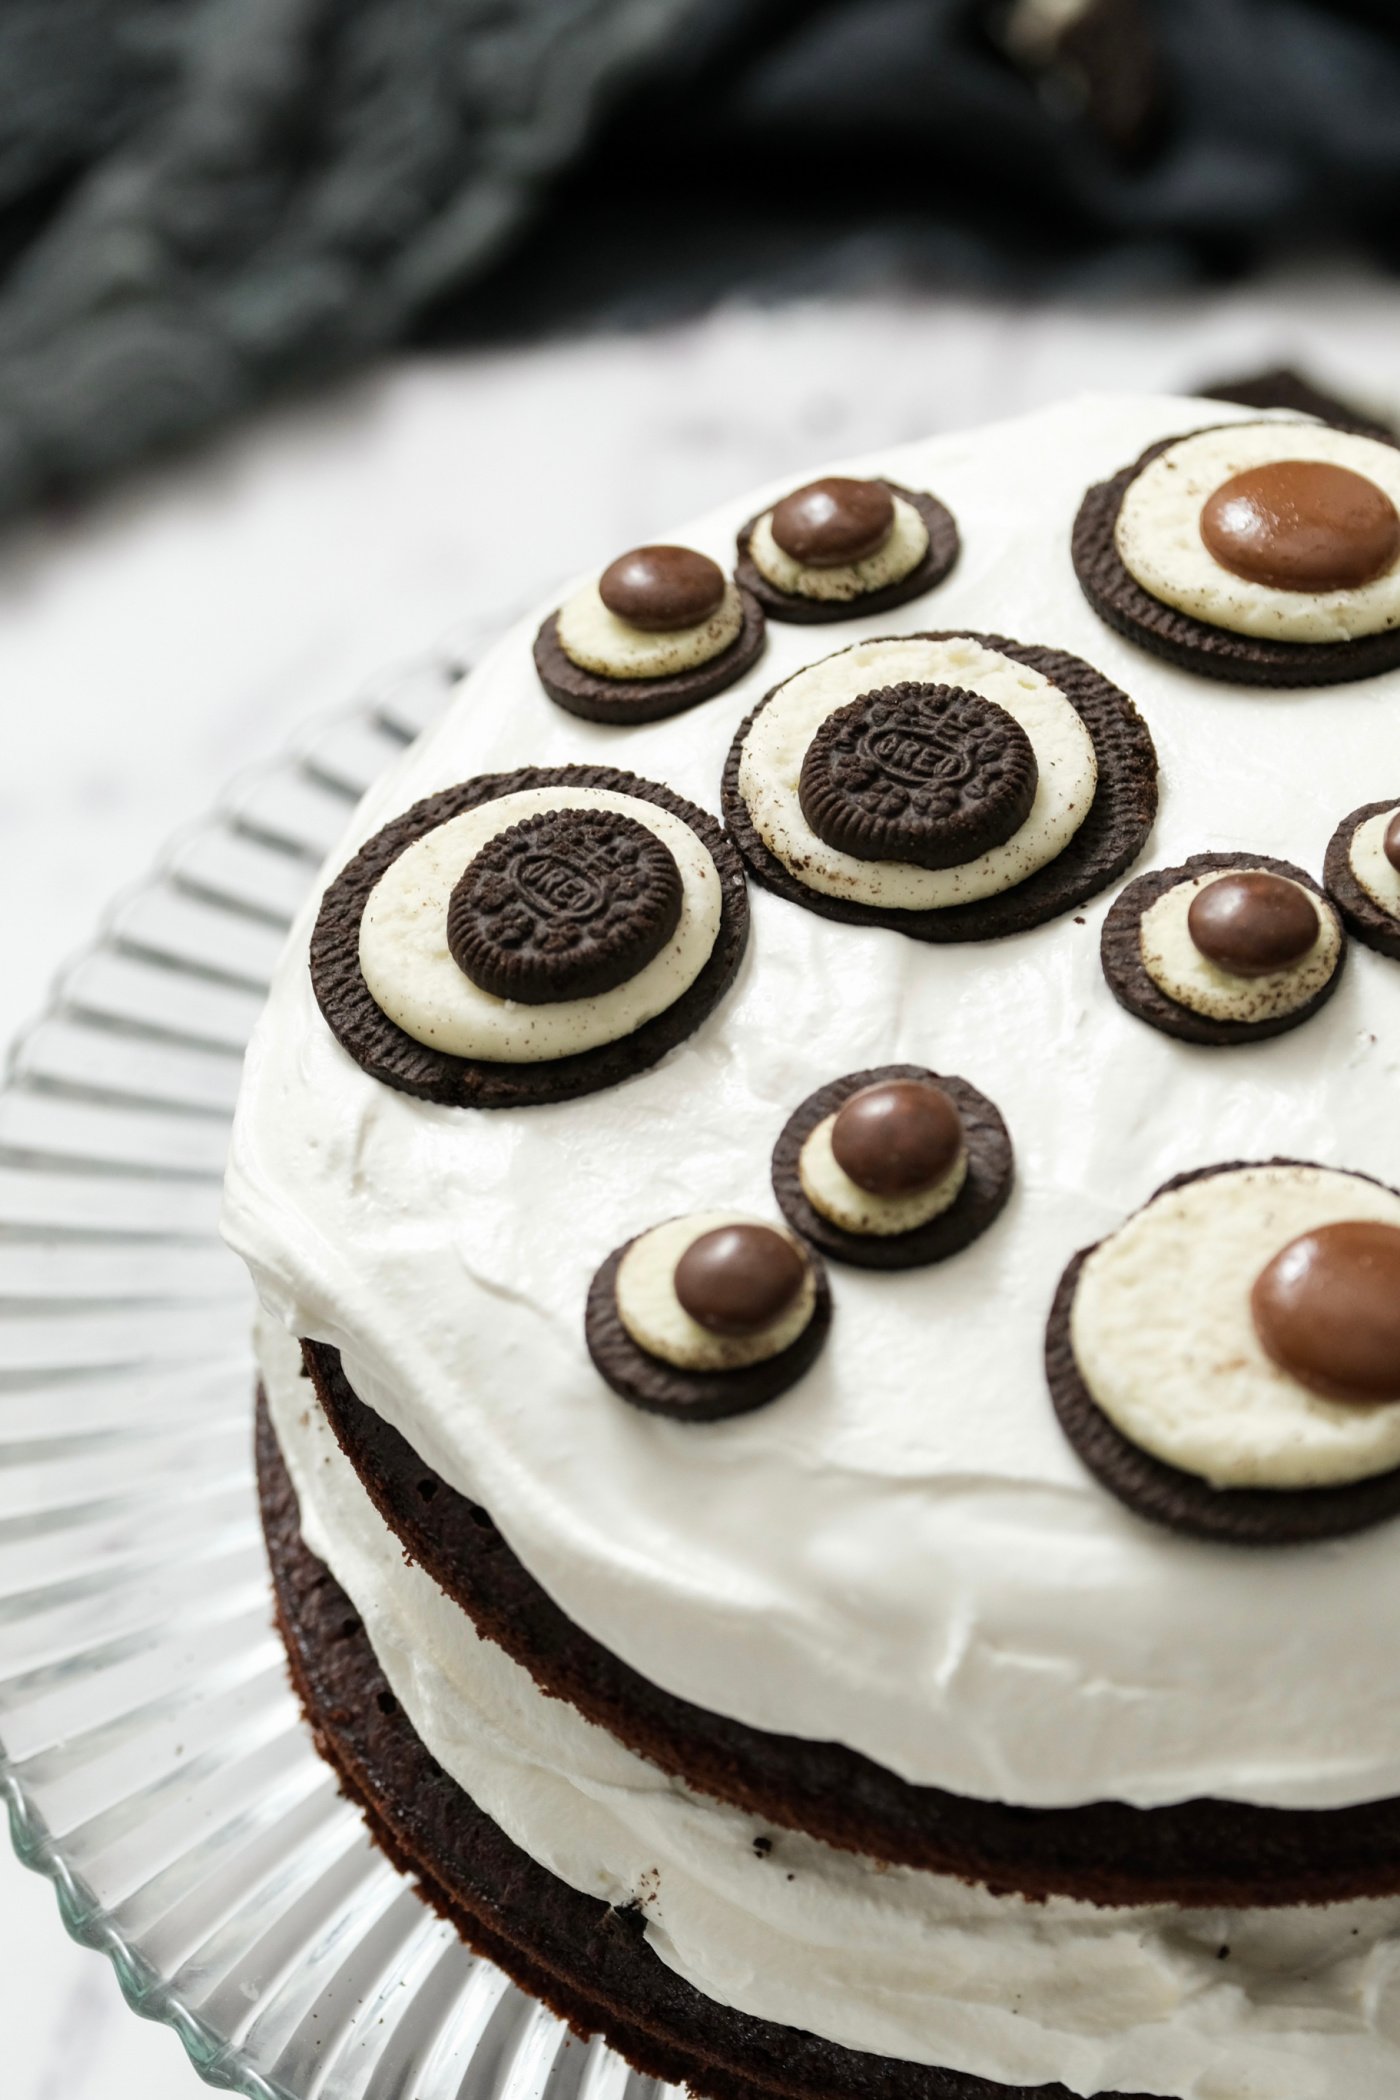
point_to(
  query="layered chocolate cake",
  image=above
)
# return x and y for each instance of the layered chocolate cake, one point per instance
(832, 1494)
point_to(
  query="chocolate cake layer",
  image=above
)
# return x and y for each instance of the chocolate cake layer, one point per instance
(1194, 1853)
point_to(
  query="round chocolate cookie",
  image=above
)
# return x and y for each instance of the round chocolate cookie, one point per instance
(624, 700)
(978, 1204)
(1194, 644)
(1361, 915)
(662, 1388)
(1120, 951)
(942, 553)
(1183, 1501)
(397, 1059)
(1106, 843)
(564, 906)
(1197, 1853)
(930, 774)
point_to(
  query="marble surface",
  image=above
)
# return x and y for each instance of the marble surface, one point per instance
(155, 642)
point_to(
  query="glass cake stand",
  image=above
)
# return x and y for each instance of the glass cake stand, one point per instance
(152, 1757)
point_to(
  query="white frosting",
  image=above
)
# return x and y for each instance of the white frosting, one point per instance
(1164, 1335)
(830, 1190)
(1177, 967)
(902, 1553)
(597, 640)
(657, 1321)
(1369, 865)
(406, 962)
(899, 557)
(770, 771)
(1158, 534)
(908, 1964)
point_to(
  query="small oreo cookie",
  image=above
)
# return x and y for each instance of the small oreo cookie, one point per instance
(1136, 988)
(596, 698)
(1180, 637)
(936, 563)
(933, 775)
(1105, 843)
(979, 1200)
(1168, 1494)
(397, 1059)
(703, 1318)
(1364, 917)
(564, 906)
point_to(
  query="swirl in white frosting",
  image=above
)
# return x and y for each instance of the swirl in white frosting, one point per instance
(902, 1554)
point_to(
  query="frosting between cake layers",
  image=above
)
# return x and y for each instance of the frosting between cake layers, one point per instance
(1306, 2006)
(902, 1553)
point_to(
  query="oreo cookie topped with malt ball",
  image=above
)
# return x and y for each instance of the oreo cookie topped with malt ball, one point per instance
(1229, 948)
(707, 1316)
(564, 906)
(1362, 874)
(893, 1168)
(930, 774)
(1228, 1362)
(840, 546)
(661, 629)
(953, 787)
(528, 937)
(1263, 553)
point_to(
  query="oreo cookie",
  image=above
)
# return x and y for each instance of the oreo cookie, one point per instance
(1179, 637)
(1167, 1495)
(1120, 952)
(389, 1054)
(979, 1202)
(633, 700)
(930, 774)
(1360, 913)
(939, 558)
(1106, 843)
(564, 906)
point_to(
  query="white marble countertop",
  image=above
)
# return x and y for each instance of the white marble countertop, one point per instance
(156, 641)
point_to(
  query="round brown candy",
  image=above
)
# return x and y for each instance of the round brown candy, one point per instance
(898, 1138)
(1302, 525)
(660, 589)
(1327, 1310)
(833, 522)
(1392, 842)
(1252, 924)
(739, 1279)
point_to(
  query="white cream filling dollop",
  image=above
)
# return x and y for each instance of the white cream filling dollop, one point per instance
(830, 1190)
(1159, 542)
(899, 557)
(598, 641)
(887, 1960)
(1177, 967)
(1373, 871)
(412, 977)
(770, 770)
(1164, 1336)
(653, 1315)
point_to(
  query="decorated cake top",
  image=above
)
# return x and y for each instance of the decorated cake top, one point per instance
(907, 1551)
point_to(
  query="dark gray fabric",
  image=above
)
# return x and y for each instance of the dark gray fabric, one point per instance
(205, 202)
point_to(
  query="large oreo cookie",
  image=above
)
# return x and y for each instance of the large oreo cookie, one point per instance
(930, 774)
(588, 1961)
(1361, 915)
(564, 906)
(397, 1059)
(1196, 1853)
(943, 549)
(1165, 1494)
(1108, 842)
(1120, 951)
(631, 700)
(978, 1204)
(1179, 637)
